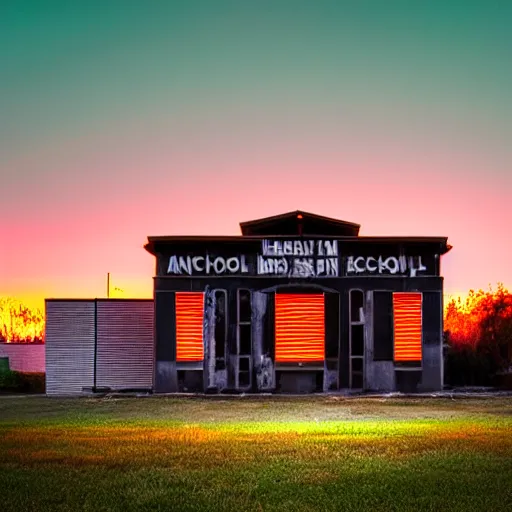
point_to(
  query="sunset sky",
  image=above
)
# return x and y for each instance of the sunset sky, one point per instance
(123, 119)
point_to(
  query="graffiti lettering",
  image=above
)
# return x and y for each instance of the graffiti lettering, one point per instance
(298, 267)
(299, 248)
(188, 265)
(391, 265)
(298, 258)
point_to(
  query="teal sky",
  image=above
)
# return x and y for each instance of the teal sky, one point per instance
(120, 119)
(83, 63)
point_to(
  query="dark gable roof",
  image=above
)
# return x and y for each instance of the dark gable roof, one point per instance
(295, 224)
(299, 223)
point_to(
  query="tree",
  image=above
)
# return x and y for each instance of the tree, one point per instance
(496, 327)
(479, 334)
(20, 324)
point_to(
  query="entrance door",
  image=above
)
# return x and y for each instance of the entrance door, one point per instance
(300, 328)
(300, 342)
(307, 333)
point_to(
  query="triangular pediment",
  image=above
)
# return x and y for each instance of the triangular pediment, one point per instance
(298, 223)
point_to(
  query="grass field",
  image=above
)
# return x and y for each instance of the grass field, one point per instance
(275, 453)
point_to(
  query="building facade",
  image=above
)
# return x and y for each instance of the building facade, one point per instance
(298, 303)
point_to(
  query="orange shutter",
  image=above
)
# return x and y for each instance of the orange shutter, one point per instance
(300, 328)
(189, 326)
(407, 325)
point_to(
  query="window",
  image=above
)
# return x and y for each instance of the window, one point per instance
(356, 306)
(244, 306)
(299, 327)
(221, 329)
(357, 338)
(189, 326)
(357, 341)
(407, 327)
(244, 339)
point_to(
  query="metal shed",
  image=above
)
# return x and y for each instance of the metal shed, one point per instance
(94, 344)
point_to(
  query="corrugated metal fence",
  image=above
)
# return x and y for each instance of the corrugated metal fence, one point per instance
(102, 343)
(124, 357)
(69, 339)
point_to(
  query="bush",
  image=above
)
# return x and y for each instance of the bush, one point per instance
(9, 380)
(20, 382)
(465, 366)
(479, 336)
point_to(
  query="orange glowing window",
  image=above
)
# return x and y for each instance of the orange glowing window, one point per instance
(300, 328)
(407, 325)
(189, 326)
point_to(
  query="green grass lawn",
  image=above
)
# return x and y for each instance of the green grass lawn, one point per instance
(242, 453)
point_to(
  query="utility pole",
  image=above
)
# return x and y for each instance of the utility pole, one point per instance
(108, 287)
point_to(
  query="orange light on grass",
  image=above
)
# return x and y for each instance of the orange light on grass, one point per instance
(299, 327)
(407, 326)
(189, 326)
